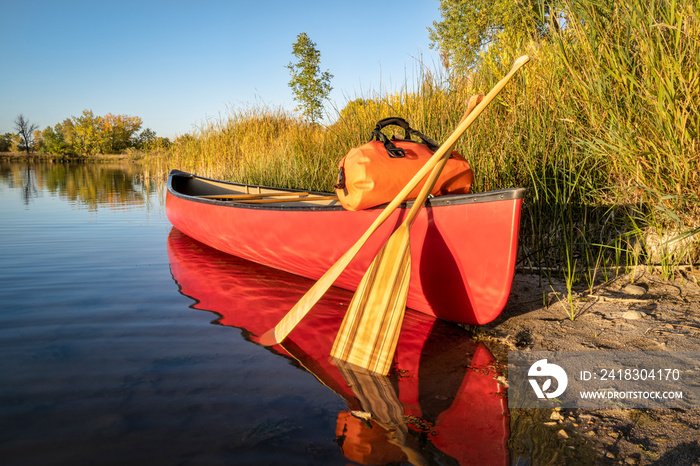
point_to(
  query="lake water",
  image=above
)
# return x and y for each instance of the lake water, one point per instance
(123, 341)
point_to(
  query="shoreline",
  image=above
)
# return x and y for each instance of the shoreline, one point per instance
(72, 158)
(644, 314)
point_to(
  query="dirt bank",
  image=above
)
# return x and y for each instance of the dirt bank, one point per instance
(644, 314)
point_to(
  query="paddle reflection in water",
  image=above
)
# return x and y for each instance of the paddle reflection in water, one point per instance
(441, 403)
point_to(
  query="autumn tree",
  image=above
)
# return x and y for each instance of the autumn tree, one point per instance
(38, 144)
(309, 85)
(90, 134)
(25, 130)
(119, 132)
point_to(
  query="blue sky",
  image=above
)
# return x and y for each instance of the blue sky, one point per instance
(176, 64)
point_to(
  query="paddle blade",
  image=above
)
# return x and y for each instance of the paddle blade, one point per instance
(370, 330)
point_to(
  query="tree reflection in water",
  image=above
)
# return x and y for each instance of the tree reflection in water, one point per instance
(90, 185)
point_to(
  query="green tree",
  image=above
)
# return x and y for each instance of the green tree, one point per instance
(309, 85)
(5, 142)
(25, 130)
(472, 30)
(147, 140)
(54, 140)
(67, 130)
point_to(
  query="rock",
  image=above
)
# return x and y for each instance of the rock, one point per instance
(634, 290)
(614, 434)
(632, 315)
(556, 416)
(562, 433)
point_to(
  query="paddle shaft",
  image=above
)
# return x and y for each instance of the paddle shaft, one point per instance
(368, 335)
(435, 174)
(302, 307)
(236, 197)
(287, 199)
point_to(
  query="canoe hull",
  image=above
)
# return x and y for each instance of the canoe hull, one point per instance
(463, 248)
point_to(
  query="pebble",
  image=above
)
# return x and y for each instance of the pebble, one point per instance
(614, 434)
(634, 290)
(609, 455)
(562, 433)
(632, 315)
(555, 416)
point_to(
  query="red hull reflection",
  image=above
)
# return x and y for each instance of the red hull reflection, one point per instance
(441, 401)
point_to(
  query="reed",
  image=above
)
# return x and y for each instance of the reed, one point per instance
(602, 127)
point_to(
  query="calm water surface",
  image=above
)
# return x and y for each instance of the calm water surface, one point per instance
(106, 355)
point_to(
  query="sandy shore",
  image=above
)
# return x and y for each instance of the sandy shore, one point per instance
(647, 314)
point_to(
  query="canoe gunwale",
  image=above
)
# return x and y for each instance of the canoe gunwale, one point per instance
(453, 199)
(464, 247)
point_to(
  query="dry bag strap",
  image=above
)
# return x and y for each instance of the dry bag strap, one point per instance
(341, 181)
(408, 132)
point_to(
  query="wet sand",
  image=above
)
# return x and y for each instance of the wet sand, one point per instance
(644, 314)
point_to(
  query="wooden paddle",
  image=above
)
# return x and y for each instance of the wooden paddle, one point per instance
(302, 307)
(369, 333)
(269, 198)
(290, 199)
(238, 197)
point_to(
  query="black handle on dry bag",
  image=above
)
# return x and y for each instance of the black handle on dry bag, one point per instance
(394, 151)
(394, 121)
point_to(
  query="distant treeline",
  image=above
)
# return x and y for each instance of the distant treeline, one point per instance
(88, 134)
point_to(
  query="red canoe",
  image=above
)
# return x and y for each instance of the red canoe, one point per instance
(442, 404)
(463, 247)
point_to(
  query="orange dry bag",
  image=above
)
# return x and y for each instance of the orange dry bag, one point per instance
(374, 173)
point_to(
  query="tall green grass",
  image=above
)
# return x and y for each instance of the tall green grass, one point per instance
(602, 126)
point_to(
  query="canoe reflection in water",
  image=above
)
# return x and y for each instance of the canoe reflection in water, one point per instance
(441, 402)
